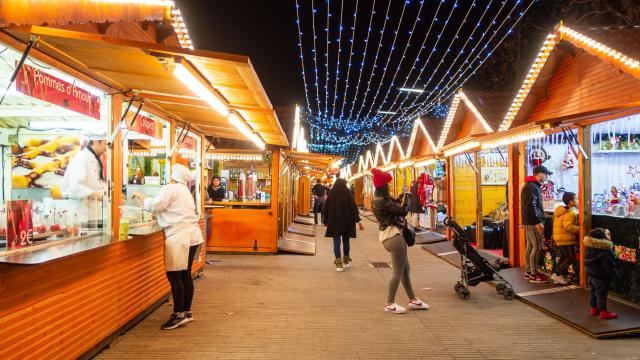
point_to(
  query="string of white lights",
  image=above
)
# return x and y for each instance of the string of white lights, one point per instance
(304, 78)
(451, 88)
(353, 34)
(315, 60)
(393, 79)
(437, 86)
(364, 53)
(472, 54)
(422, 47)
(335, 87)
(386, 65)
(455, 5)
(326, 60)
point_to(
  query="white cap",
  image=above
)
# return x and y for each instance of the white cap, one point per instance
(181, 174)
(97, 137)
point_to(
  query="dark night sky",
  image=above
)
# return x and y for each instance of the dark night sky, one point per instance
(264, 30)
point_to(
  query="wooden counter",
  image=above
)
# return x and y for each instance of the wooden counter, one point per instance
(75, 305)
(242, 230)
(238, 204)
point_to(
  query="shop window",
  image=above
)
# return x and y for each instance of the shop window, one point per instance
(55, 168)
(189, 153)
(145, 161)
(243, 178)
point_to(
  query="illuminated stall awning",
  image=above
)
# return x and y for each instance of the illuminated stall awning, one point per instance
(314, 164)
(153, 72)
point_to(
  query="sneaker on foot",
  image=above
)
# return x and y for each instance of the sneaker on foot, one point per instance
(395, 309)
(539, 278)
(417, 304)
(346, 261)
(594, 312)
(188, 315)
(175, 321)
(528, 276)
(339, 265)
(559, 279)
(605, 315)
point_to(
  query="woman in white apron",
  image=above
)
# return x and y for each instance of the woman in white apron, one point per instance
(176, 212)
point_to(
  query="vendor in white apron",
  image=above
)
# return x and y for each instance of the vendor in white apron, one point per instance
(84, 183)
(176, 212)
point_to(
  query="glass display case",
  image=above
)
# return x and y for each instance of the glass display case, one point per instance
(145, 162)
(615, 148)
(244, 178)
(55, 176)
(189, 153)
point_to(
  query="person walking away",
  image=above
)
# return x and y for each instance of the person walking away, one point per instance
(565, 233)
(533, 218)
(340, 215)
(390, 215)
(318, 192)
(599, 266)
(175, 210)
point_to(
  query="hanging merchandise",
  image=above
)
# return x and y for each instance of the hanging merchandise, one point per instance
(625, 254)
(568, 161)
(538, 156)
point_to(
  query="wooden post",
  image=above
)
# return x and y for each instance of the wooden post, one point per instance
(514, 159)
(478, 181)
(584, 194)
(522, 168)
(116, 166)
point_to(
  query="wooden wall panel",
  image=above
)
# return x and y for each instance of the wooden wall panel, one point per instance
(64, 308)
(585, 83)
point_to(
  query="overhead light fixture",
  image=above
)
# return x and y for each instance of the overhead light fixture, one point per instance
(515, 138)
(411, 90)
(239, 123)
(461, 148)
(187, 77)
(387, 112)
(425, 163)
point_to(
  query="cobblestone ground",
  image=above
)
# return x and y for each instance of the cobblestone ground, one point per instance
(299, 307)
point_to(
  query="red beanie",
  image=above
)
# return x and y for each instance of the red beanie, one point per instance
(380, 178)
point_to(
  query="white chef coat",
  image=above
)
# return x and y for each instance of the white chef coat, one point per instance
(173, 206)
(81, 179)
(176, 212)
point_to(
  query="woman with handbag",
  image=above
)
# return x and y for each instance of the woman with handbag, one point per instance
(340, 214)
(176, 212)
(390, 215)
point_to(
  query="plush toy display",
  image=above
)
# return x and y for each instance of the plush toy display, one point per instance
(539, 156)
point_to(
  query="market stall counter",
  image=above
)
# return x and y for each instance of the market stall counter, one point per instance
(245, 219)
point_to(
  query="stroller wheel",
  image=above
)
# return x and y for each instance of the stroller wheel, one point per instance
(457, 287)
(464, 293)
(500, 287)
(509, 294)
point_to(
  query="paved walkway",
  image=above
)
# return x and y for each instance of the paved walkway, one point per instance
(299, 307)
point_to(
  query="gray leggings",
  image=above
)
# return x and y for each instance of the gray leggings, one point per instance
(400, 264)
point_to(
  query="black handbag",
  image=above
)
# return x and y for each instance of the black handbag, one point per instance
(409, 234)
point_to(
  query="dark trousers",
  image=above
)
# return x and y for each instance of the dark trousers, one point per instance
(182, 284)
(345, 244)
(567, 254)
(317, 208)
(598, 290)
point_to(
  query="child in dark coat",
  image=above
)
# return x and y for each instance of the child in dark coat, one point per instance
(600, 268)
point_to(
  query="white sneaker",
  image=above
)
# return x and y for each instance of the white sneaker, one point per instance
(559, 279)
(395, 309)
(339, 265)
(418, 304)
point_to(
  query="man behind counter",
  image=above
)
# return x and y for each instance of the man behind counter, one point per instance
(216, 191)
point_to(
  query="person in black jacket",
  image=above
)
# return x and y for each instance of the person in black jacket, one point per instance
(599, 266)
(533, 219)
(215, 190)
(318, 191)
(390, 215)
(340, 215)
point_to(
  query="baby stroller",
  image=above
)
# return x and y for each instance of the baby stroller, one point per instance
(474, 268)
